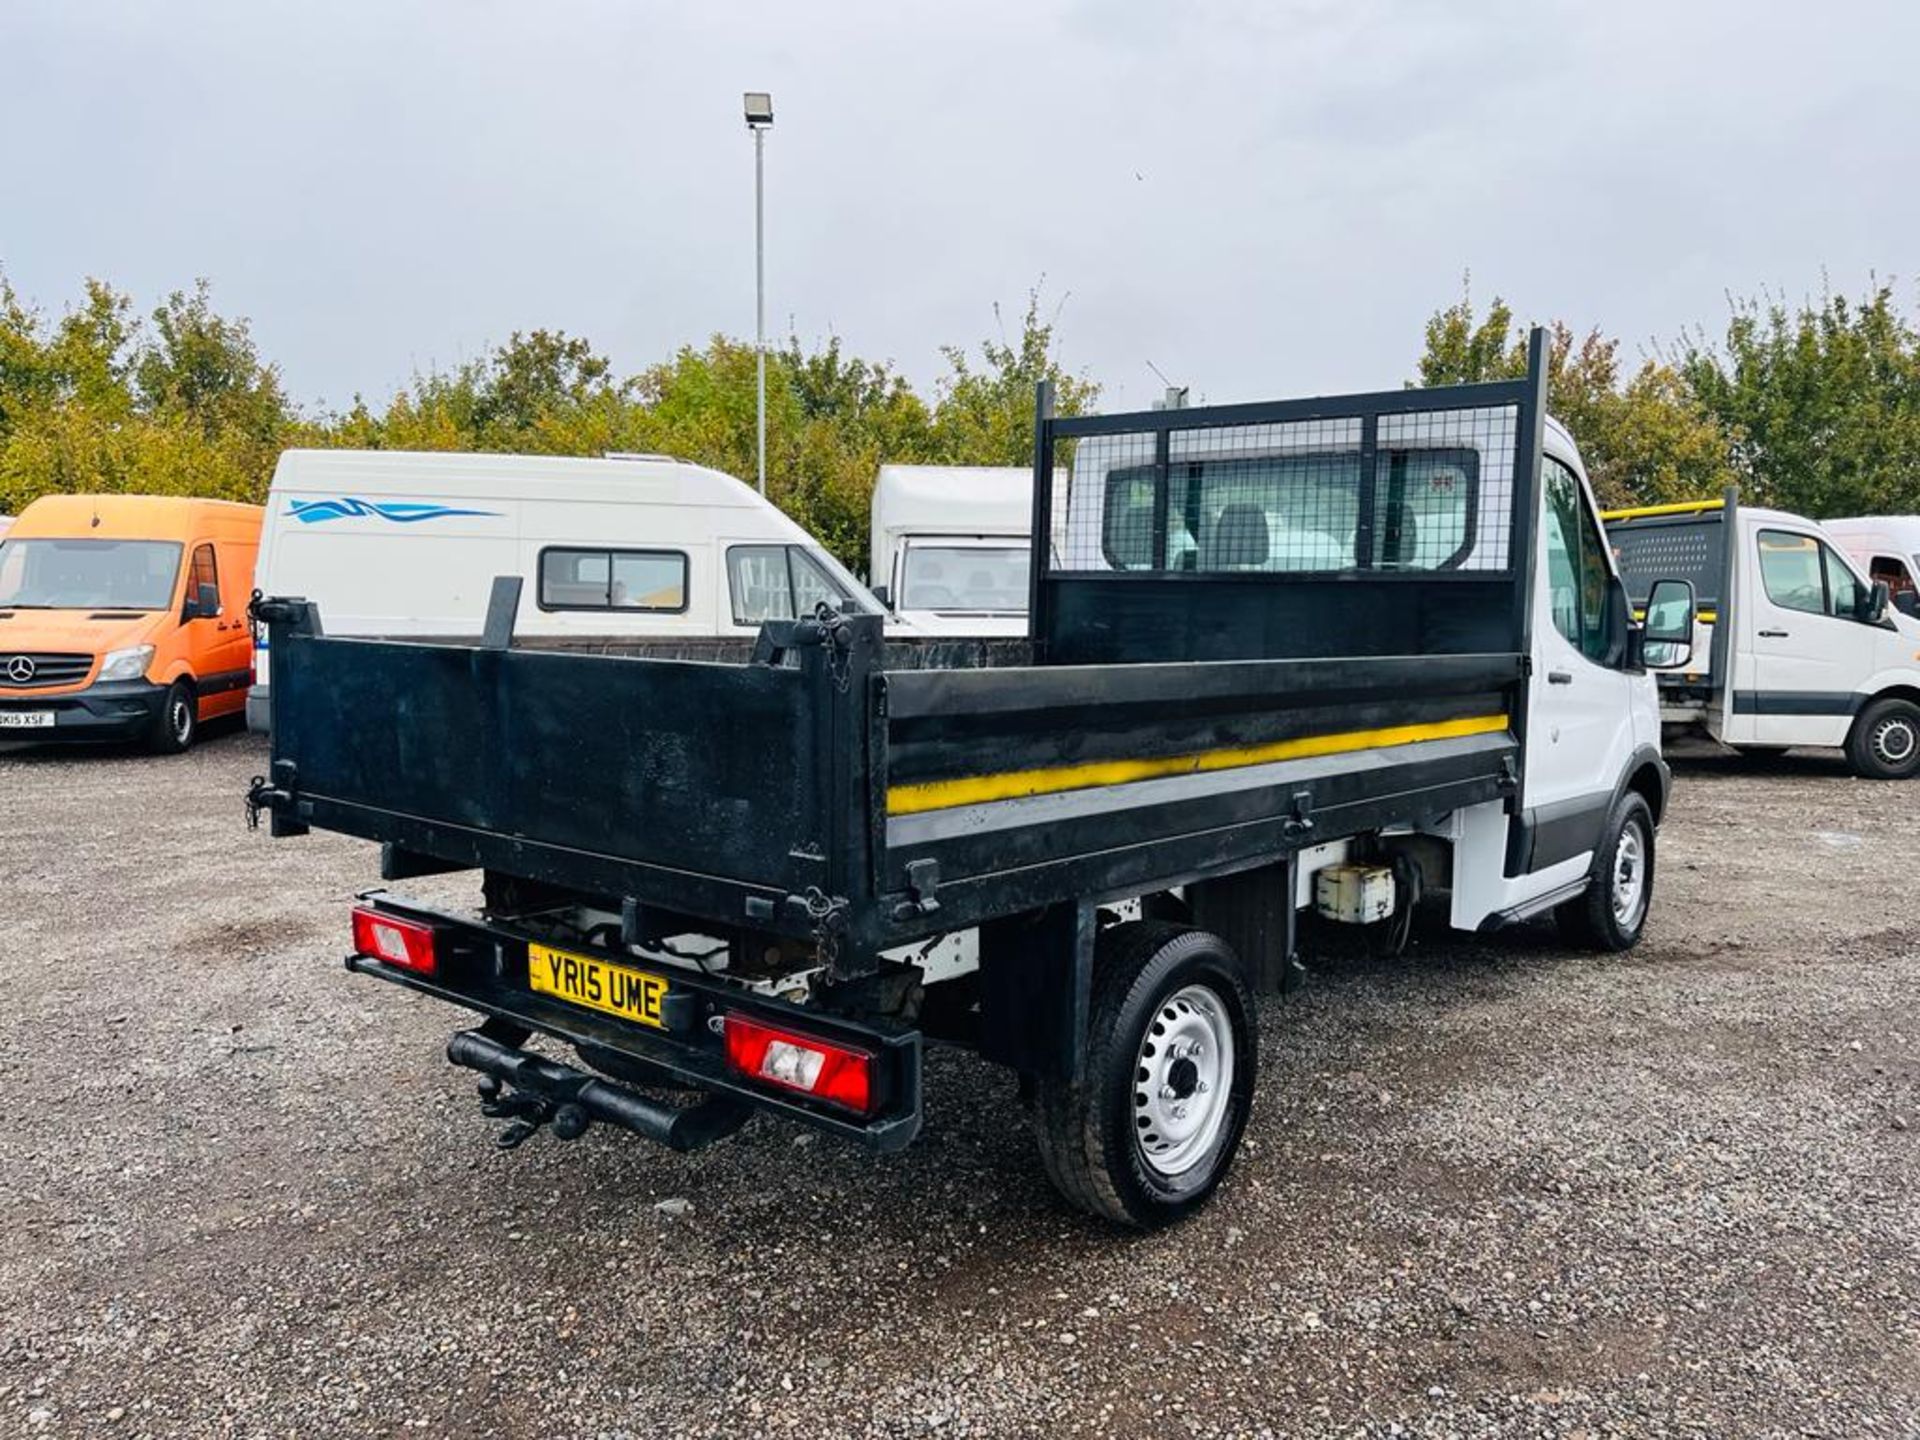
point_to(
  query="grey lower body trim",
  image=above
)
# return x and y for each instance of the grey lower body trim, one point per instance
(1797, 702)
(1552, 900)
(1546, 835)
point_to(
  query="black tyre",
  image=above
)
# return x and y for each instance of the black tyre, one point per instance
(1613, 911)
(1153, 1125)
(178, 722)
(1885, 741)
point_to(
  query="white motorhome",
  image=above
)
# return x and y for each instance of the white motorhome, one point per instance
(950, 549)
(400, 543)
(1793, 644)
(1887, 547)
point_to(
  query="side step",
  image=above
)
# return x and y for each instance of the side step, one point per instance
(548, 1092)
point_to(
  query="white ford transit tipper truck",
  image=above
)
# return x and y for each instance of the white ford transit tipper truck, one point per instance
(1793, 644)
(1350, 653)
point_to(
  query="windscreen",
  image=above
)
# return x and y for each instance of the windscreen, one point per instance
(88, 574)
(977, 579)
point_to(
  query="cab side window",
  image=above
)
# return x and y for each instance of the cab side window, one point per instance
(1845, 595)
(204, 571)
(1801, 573)
(1577, 568)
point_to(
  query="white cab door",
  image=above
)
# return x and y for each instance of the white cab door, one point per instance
(1811, 651)
(1580, 720)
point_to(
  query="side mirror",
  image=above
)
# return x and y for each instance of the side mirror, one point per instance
(880, 593)
(203, 604)
(1667, 637)
(1877, 600)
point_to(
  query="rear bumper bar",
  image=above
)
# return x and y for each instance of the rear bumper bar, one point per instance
(484, 969)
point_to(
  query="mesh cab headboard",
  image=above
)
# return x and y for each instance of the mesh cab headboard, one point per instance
(1393, 523)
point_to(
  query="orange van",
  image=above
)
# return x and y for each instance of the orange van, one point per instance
(124, 617)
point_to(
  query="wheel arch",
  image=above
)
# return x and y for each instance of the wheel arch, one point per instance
(1647, 776)
(1900, 690)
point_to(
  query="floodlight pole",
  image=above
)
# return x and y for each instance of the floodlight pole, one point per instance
(760, 293)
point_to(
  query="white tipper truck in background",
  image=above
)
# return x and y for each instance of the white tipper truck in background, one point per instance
(1793, 644)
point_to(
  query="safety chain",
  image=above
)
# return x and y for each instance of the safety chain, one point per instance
(829, 916)
(838, 638)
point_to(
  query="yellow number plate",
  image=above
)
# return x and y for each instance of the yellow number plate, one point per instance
(596, 984)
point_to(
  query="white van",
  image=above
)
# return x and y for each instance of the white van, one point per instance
(1793, 644)
(1887, 547)
(950, 549)
(401, 543)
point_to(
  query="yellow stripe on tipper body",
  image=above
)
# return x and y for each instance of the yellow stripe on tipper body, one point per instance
(1019, 784)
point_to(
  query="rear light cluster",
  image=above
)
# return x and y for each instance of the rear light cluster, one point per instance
(819, 1069)
(406, 943)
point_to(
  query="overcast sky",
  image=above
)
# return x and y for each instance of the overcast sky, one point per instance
(1258, 198)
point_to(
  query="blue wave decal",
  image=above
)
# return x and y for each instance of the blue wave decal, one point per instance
(403, 512)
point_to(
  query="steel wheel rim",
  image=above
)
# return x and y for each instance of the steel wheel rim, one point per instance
(1182, 1080)
(1894, 740)
(1629, 876)
(182, 717)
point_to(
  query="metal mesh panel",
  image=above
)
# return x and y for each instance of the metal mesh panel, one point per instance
(1295, 497)
(1693, 550)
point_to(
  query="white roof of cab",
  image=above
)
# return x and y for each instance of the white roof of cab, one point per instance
(648, 481)
(955, 499)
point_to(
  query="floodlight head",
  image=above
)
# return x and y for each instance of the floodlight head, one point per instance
(759, 106)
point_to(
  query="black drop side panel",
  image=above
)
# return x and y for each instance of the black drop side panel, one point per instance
(957, 724)
(690, 767)
(1116, 619)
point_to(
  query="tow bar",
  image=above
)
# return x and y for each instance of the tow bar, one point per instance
(532, 1092)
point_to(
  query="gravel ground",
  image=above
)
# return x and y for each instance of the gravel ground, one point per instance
(1488, 1188)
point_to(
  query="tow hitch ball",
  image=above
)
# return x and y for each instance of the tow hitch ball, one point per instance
(529, 1113)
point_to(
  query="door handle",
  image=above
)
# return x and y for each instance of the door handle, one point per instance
(1773, 634)
(1559, 677)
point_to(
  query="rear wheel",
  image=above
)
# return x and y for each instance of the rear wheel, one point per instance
(178, 722)
(1885, 743)
(1153, 1125)
(1613, 911)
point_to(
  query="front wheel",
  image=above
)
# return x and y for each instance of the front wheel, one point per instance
(1613, 911)
(1150, 1130)
(178, 722)
(1885, 743)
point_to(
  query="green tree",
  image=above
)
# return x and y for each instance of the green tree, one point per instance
(201, 367)
(983, 414)
(832, 421)
(1823, 401)
(1647, 439)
